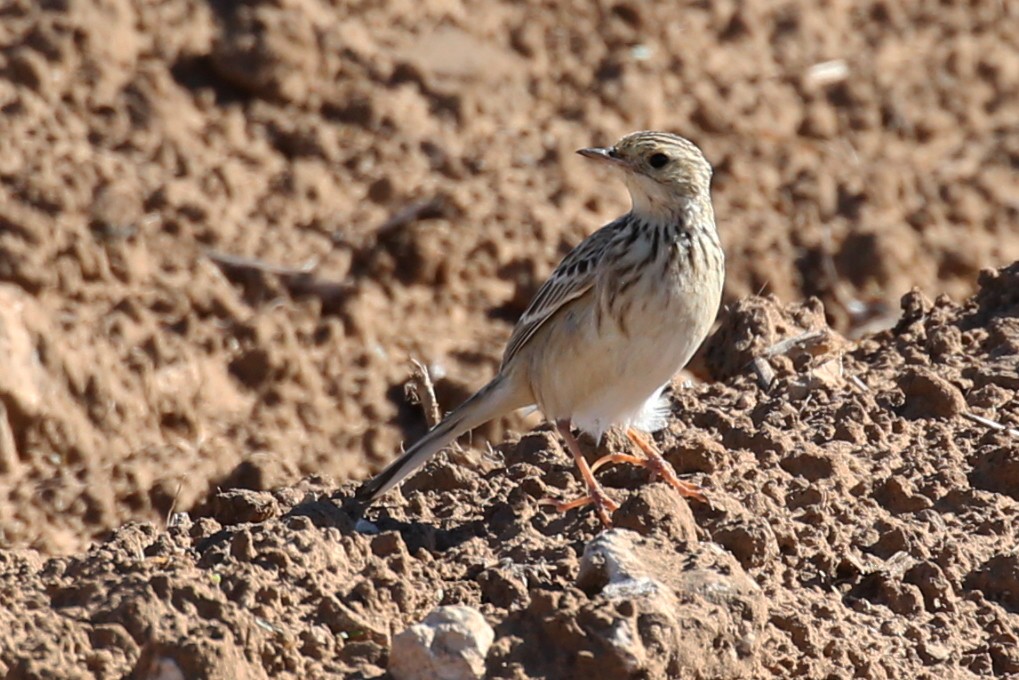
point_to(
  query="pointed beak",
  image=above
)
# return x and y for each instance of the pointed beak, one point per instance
(606, 155)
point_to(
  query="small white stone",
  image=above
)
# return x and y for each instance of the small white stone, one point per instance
(450, 644)
(827, 73)
(166, 668)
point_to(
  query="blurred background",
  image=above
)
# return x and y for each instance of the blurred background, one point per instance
(226, 227)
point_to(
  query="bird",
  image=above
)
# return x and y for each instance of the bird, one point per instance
(618, 318)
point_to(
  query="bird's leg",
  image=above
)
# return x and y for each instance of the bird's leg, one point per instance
(654, 462)
(595, 493)
(617, 458)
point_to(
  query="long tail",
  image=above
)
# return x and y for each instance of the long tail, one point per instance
(495, 399)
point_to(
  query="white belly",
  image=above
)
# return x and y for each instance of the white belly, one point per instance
(615, 375)
(626, 391)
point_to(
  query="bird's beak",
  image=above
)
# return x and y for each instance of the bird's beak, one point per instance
(606, 155)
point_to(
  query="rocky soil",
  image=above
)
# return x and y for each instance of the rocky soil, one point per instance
(226, 228)
(862, 523)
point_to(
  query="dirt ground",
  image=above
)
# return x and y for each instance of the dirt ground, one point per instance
(226, 228)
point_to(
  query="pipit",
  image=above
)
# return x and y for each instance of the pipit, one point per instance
(619, 317)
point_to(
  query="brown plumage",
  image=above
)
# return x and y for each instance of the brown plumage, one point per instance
(621, 314)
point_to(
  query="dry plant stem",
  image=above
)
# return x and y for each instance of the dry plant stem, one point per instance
(173, 505)
(240, 262)
(864, 316)
(422, 389)
(8, 446)
(843, 297)
(410, 214)
(805, 340)
(855, 379)
(993, 424)
(298, 280)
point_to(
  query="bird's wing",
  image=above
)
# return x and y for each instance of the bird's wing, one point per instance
(574, 276)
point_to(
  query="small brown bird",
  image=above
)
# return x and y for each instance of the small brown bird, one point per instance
(619, 317)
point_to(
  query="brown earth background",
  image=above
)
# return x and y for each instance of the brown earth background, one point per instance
(226, 228)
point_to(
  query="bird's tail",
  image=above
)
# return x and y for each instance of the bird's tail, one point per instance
(495, 399)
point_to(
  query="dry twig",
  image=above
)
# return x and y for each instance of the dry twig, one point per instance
(173, 505)
(420, 209)
(299, 280)
(242, 263)
(807, 341)
(855, 379)
(420, 390)
(993, 424)
(812, 342)
(427, 208)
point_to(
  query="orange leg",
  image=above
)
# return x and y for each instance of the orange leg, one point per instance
(618, 458)
(595, 493)
(654, 462)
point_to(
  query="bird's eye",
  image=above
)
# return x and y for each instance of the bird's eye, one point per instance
(658, 160)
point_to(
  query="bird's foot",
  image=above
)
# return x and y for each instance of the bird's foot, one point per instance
(596, 496)
(659, 467)
(617, 458)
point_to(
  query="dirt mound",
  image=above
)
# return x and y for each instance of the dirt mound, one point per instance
(861, 524)
(225, 228)
(404, 175)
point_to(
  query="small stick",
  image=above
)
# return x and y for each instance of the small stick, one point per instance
(231, 261)
(856, 308)
(763, 370)
(855, 379)
(297, 280)
(993, 424)
(173, 505)
(805, 340)
(412, 213)
(421, 390)
(423, 209)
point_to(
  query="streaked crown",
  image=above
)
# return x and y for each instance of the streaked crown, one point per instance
(665, 158)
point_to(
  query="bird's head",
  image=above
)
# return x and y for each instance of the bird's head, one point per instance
(664, 172)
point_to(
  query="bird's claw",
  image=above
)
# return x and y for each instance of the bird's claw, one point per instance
(603, 505)
(656, 465)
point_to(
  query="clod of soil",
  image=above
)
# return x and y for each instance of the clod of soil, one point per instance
(858, 527)
(226, 228)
